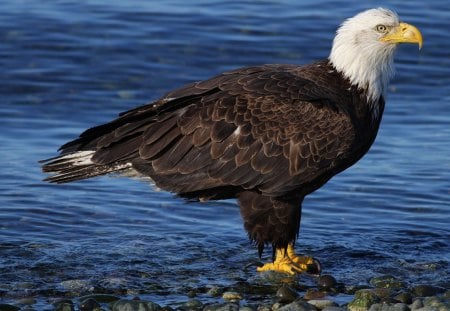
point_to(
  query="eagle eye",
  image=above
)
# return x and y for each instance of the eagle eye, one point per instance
(381, 28)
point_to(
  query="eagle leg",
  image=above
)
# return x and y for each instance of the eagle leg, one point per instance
(286, 261)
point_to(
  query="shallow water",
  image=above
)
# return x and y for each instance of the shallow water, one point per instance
(68, 65)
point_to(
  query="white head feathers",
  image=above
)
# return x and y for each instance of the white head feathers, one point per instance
(359, 54)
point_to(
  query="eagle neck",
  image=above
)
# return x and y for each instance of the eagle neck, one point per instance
(369, 68)
(371, 80)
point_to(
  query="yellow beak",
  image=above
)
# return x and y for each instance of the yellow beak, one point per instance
(404, 33)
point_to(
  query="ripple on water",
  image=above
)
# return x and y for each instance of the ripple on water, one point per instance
(70, 65)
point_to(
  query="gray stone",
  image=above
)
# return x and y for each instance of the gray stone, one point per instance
(326, 281)
(298, 305)
(387, 281)
(376, 307)
(135, 305)
(214, 291)
(404, 297)
(427, 308)
(27, 301)
(331, 308)
(263, 308)
(232, 296)
(389, 307)
(445, 307)
(447, 294)
(384, 294)
(222, 307)
(7, 307)
(276, 306)
(89, 304)
(362, 301)
(432, 301)
(192, 304)
(102, 298)
(76, 285)
(437, 302)
(64, 305)
(322, 303)
(286, 294)
(426, 290)
(312, 293)
(416, 304)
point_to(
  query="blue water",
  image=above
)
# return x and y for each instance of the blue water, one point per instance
(69, 65)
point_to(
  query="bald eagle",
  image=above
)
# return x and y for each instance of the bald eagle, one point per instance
(267, 135)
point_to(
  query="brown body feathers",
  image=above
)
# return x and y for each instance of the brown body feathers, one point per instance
(266, 135)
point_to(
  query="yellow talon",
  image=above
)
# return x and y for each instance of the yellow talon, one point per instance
(286, 261)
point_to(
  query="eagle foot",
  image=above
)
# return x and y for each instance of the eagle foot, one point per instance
(286, 261)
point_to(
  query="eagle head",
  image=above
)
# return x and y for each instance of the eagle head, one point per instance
(364, 46)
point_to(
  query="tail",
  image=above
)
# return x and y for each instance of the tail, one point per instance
(76, 166)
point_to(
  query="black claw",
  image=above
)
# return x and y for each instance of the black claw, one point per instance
(314, 268)
(253, 264)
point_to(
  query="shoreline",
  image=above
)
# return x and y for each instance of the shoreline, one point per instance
(383, 293)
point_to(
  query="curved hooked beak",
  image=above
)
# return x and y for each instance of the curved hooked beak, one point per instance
(404, 33)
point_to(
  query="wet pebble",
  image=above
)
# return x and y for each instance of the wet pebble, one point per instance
(332, 308)
(76, 285)
(322, 303)
(191, 294)
(432, 301)
(352, 289)
(426, 290)
(232, 296)
(383, 293)
(427, 308)
(286, 294)
(447, 294)
(64, 305)
(326, 281)
(276, 306)
(437, 302)
(404, 297)
(222, 307)
(214, 291)
(362, 301)
(7, 307)
(135, 305)
(264, 308)
(26, 301)
(313, 294)
(416, 304)
(387, 281)
(389, 307)
(192, 304)
(102, 298)
(89, 304)
(298, 305)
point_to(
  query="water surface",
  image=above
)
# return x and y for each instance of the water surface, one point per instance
(68, 65)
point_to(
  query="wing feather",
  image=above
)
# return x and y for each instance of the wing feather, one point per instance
(169, 163)
(246, 154)
(269, 128)
(157, 142)
(255, 131)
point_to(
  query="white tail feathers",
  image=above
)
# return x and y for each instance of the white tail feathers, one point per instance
(78, 165)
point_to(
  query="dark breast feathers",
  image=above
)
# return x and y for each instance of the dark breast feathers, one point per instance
(267, 135)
